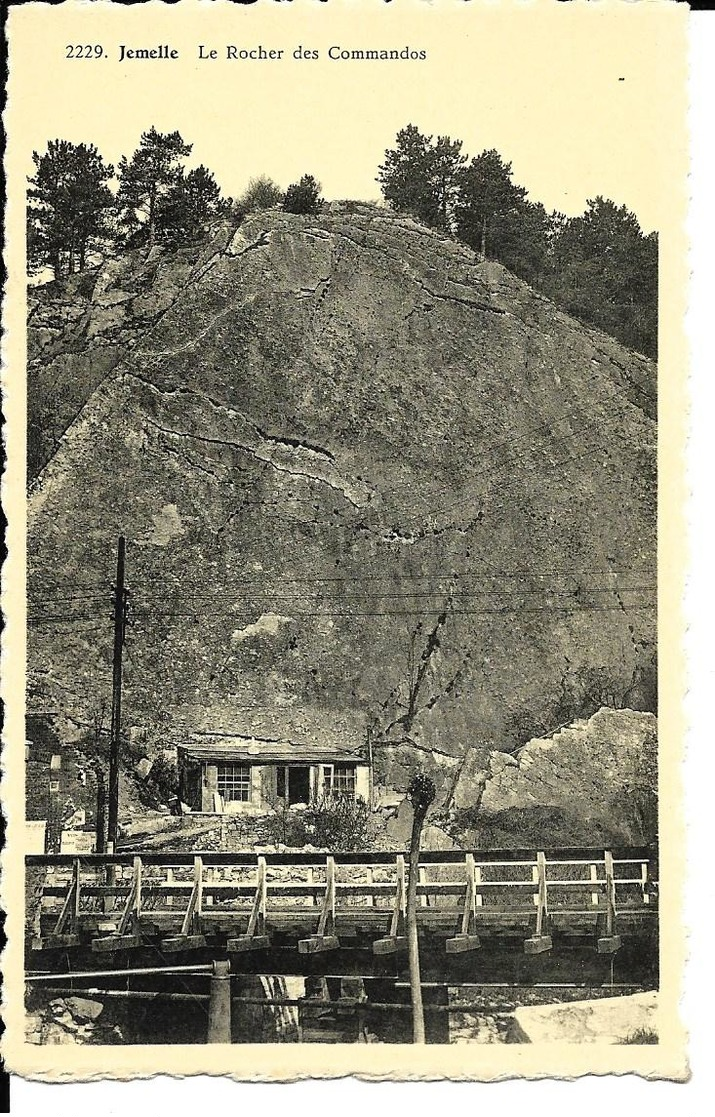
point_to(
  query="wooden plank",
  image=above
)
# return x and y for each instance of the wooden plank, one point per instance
(610, 894)
(609, 942)
(176, 943)
(478, 898)
(132, 905)
(112, 943)
(422, 880)
(70, 908)
(583, 855)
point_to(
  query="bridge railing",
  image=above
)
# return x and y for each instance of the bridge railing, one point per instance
(191, 894)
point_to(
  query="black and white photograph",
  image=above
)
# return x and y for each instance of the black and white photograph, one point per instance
(341, 707)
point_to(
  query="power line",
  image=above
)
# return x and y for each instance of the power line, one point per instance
(447, 594)
(146, 609)
(201, 614)
(468, 573)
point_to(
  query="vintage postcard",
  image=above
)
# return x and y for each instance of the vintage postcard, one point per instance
(344, 384)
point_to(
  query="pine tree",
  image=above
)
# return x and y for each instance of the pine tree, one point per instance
(190, 205)
(303, 196)
(486, 196)
(69, 206)
(153, 171)
(605, 271)
(419, 176)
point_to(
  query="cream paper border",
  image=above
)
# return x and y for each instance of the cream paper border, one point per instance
(657, 31)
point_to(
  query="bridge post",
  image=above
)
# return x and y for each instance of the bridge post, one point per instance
(219, 1028)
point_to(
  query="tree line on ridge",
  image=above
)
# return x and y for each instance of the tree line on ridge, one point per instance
(598, 266)
(73, 213)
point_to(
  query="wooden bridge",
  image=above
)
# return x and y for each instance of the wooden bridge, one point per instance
(239, 905)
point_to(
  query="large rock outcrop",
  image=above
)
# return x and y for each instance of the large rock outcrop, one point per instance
(356, 469)
(593, 781)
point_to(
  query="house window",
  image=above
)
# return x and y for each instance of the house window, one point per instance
(340, 780)
(234, 783)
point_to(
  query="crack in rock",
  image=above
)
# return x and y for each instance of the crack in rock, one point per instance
(292, 463)
(232, 412)
(458, 299)
(262, 240)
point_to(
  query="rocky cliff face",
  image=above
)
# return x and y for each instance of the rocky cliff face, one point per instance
(356, 470)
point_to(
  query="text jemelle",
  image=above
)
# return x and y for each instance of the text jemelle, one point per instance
(142, 53)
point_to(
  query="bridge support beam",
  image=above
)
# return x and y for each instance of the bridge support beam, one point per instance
(467, 939)
(396, 939)
(325, 938)
(540, 942)
(255, 937)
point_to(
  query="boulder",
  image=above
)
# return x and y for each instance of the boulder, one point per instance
(399, 828)
(354, 378)
(138, 744)
(142, 768)
(610, 1020)
(435, 838)
(470, 784)
(54, 1033)
(84, 1009)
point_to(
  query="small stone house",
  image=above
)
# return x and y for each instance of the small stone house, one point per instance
(300, 759)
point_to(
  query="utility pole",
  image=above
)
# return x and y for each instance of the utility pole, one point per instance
(101, 822)
(120, 619)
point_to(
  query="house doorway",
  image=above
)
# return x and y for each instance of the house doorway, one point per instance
(294, 784)
(298, 784)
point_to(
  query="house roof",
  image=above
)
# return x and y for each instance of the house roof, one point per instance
(257, 750)
(291, 734)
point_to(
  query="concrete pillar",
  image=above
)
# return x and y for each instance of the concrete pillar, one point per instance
(219, 1030)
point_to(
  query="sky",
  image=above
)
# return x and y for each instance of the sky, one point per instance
(579, 107)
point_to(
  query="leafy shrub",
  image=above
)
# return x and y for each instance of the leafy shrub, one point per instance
(339, 823)
(288, 828)
(261, 193)
(165, 777)
(335, 824)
